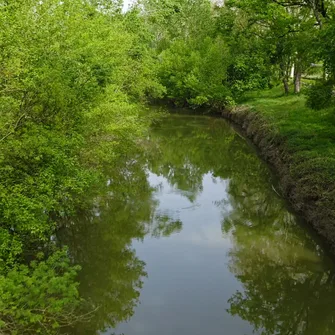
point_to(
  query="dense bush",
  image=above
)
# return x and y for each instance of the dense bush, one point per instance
(320, 95)
(194, 75)
(39, 298)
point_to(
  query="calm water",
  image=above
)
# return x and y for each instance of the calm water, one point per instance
(192, 239)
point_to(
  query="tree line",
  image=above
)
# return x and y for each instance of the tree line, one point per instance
(211, 54)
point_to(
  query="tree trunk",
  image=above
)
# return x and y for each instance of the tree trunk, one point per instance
(324, 74)
(285, 77)
(297, 81)
(286, 86)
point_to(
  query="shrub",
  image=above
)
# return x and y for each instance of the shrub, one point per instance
(320, 95)
(40, 298)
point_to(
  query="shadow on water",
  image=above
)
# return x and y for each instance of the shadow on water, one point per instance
(283, 281)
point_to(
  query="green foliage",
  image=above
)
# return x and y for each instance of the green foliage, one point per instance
(192, 57)
(194, 74)
(250, 65)
(247, 73)
(71, 76)
(320, 95)
(39, 298)
(59, 78)
(73, 79)
(326, 45)
(211, 55)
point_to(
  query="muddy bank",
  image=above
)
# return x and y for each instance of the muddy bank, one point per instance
(313, 197)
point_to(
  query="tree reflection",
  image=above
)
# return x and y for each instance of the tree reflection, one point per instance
(288, 282)
(164, 225)
(287, 279)
(186, 148)
(288, 289)
(99, 237)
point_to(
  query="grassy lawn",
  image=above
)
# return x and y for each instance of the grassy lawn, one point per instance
(309, 135)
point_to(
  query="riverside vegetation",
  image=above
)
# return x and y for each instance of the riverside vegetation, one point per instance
(74, 79)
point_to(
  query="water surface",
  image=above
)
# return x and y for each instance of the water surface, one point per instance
(191, 238)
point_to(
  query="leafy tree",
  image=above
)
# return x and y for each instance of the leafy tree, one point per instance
(39, 298)
(69, 104)
(192, 58)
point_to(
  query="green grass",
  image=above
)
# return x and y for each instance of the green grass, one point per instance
(309, 135)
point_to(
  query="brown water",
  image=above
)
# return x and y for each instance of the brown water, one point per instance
(191, 238)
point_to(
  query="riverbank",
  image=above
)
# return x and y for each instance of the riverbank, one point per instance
(300, 144)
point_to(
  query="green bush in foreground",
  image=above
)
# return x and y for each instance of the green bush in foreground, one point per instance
(39, 298)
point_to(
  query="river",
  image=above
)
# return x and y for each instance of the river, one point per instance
(191, 238)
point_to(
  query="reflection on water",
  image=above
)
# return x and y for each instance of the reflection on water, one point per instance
(191, 238)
